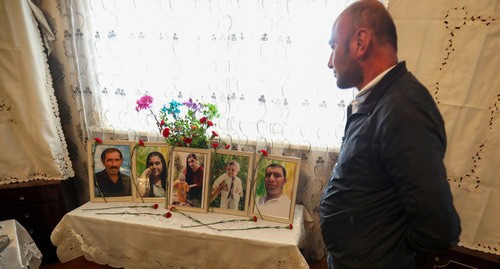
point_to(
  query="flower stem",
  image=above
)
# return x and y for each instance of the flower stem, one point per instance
(113, 207)
(212, 223)
(253, 228)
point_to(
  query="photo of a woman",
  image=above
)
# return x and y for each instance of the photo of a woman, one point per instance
(155, 175)
(188, 179)
(151, 172)
(194, 178)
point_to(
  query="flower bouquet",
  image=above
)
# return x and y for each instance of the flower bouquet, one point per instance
(183, 124)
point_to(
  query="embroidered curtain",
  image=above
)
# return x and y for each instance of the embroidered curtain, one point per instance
(452, 47)
(32, 141)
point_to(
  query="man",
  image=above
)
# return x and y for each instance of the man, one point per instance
(275, 203)
(110, 181)
(388, 196)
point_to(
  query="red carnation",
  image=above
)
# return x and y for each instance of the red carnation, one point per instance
(141, 143)
(227, 146)
(290, 226)
(209, 123)
(203, 120)
(264, 152)
(168, 215)
(214, 134)
(188, 140)
(98, 140)
(155, 206)
(166, 132)
(254, 219)
(215, 145)
(162, 123)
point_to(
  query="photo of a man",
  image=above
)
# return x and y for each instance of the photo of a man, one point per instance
(110, 181)
(275, 202)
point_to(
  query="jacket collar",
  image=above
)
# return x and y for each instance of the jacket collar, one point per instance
(380, 88)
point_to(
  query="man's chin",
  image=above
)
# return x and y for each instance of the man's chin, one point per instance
(273, 193)
(113, 172)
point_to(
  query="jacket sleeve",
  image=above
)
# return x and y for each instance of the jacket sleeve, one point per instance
(413, 148)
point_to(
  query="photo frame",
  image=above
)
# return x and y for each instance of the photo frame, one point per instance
(101, 187)
(230, 180)
(150, 172)
(188, 180)
(274, 195)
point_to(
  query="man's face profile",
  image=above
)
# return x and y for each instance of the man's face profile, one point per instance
(274, 181)
(112, 163)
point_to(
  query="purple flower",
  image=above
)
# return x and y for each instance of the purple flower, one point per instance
(144, 102)
(192, 105)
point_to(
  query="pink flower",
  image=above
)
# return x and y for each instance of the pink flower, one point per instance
(203, 120)
(168, 215)
(144, 102)
(98, 140)
(141, 143)
(264, 152)
(215, 145)
(210, 123)
(227, 146)
(166, 132)
(155, 206)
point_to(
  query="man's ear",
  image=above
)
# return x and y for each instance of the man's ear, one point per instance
(363, 39)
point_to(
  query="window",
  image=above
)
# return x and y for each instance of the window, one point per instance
(264, 63)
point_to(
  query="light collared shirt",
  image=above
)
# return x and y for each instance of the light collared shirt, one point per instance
(277, 207)
(363, 93)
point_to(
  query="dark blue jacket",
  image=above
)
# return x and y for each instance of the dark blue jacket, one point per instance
(388, 196)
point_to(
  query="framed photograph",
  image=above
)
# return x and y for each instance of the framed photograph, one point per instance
(109, 171)
(229, 182)
(188, 180)
(150, 170)
(275, 188)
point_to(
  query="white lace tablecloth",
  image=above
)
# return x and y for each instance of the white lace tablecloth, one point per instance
(154, 241)
(21, 252)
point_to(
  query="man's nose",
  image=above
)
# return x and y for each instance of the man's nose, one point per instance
(330, 61)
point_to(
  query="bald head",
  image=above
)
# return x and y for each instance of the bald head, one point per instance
(372, 14)
(364, 44)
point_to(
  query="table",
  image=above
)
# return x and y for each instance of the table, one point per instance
(21, 252)
(141, 237)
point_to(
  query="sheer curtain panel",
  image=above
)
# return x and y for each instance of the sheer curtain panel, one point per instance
(264, 63)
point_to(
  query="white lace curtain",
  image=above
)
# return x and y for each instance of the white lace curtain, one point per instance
(264, 63)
